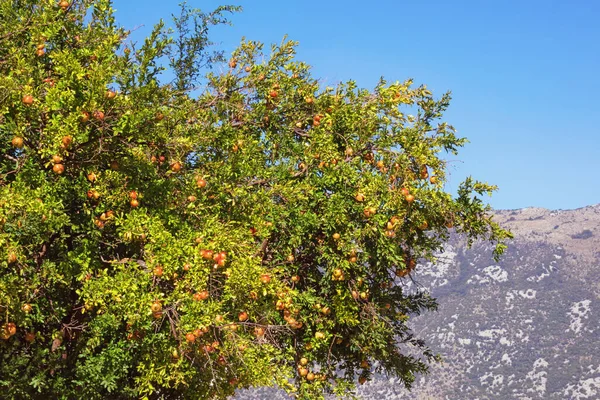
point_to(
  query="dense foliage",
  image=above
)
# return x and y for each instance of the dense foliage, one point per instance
(220, 231)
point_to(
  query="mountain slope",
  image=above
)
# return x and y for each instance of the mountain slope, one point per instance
(526, 327)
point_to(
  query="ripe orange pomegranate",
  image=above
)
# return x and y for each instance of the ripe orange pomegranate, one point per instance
(58, 168)
(66, 141)
(17, 142)
(27, 99)
(190, 337)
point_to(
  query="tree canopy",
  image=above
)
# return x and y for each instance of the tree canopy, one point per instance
(170, 231)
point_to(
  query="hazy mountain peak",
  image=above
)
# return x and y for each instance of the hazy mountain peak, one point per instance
(577, 231)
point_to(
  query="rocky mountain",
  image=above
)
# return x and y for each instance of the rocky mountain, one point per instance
(527, 327)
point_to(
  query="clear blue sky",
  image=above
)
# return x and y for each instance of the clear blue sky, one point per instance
(525, 76)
